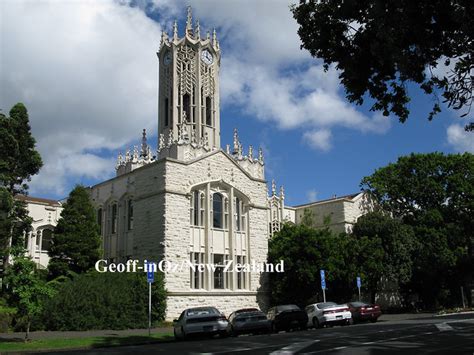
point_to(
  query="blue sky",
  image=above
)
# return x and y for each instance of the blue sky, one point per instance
(87, 71)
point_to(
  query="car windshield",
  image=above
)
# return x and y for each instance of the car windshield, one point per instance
(288, 307)
(326, 305)
(201, 311)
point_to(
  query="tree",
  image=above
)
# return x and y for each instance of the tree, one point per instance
(19, 160)
(304, 252)
(27, 290)
(381, 46)
(398, 243)
(76, 240)
(434, 194)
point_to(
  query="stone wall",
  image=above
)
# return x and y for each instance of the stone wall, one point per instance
(226, 302)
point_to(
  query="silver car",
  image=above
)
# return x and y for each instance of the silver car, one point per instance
(200, 320)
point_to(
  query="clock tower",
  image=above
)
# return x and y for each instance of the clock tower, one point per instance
(188, 104)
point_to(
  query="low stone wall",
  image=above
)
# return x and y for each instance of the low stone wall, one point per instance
(226, 302)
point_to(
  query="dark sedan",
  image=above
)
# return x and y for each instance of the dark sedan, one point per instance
(249, 320)
(287, 317)
(362, 311)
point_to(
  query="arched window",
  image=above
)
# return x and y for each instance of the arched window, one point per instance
(238, 214)
(113, 219)
(208, 111)
(47, 240)
(130, 215)
(187, 106)
(167, 112)
(217, 210)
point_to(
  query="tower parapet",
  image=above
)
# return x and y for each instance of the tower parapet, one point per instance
(254, 165)
(134, 158)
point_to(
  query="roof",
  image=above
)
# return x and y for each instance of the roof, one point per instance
(333, 199)
(38, 200)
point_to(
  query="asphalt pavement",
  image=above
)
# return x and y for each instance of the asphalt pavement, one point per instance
(425, 335)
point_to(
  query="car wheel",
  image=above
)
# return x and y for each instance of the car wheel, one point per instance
(223, 334)
(183, 334)
(316, 323)
(176, 337)
(373, 320)
(274, 328)
(350, 321)
(304, 326)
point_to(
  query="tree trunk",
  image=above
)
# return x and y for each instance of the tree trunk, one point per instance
(27, 336)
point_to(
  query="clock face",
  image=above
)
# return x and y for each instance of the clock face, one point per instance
(167, 59)
(207, 57)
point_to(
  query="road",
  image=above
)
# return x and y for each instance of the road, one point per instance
(434, 335)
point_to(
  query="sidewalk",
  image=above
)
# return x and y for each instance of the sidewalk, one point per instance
(405, 316)
(85, 334)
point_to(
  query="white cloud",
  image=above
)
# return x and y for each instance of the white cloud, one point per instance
(311, 195)
(87, 72)
(461, 140)
(319, 139)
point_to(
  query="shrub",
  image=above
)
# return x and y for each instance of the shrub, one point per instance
(105, 301)
(7, 315)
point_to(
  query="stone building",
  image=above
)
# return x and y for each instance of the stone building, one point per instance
(192, 201)
(45, 214)
(337, 213)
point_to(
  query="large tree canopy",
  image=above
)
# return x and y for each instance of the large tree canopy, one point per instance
(381, 46)
(434, 194)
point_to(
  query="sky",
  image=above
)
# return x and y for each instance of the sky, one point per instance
(88, 73)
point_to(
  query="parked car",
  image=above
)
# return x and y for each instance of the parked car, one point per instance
(328, 313)
(362, 311)
(200, 320)
(248, 320)
(286, 317)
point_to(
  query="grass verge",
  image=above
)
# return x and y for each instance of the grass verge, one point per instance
(12, 345)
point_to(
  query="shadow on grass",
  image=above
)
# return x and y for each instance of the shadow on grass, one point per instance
(109, 341)
(71, 344)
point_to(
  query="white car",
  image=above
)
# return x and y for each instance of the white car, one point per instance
(328, 313)
(200, 320)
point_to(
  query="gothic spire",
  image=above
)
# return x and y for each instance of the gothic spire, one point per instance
(198, 30)
(175, 31)
(214, 38)
(144, 144)
(236, 141)
(189, 22)
(273, 188)
(260, 155)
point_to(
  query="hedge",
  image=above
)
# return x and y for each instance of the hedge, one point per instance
(105, 301)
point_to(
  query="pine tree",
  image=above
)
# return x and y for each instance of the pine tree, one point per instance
(76, 240)
(19, 160)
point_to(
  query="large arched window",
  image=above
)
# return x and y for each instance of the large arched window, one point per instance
(47, 240)
(217, 210)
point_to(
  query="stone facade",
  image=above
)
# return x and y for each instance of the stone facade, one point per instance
(338, 213)
(192, 202)
(45, 214)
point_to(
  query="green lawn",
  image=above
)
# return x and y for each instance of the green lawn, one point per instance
(7, 345)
